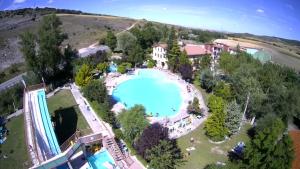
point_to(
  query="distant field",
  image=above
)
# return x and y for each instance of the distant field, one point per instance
(82, 31)
(281, 53)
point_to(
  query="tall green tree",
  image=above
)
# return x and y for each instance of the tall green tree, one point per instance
(234, 117)
(111, 40)
(126, 41)
(43, 52)
(83, 76)
(49, 40)
(164, 156)
(215, 124)
(271, 148)
(136, 55)
(133, 122)
(223, 90)
(28, 48)
(173, 57)
(207, 80)
(205, 62)
(171, 38)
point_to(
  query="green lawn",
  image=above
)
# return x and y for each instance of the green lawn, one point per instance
(15, 146)
(66, 115)
(206, 152)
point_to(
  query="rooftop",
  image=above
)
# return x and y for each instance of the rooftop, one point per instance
(195, 50)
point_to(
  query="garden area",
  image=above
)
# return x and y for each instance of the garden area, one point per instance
(13, 153)
(206, 152)
(66, 115)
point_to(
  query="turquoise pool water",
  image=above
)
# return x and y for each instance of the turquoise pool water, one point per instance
(251, 51)
(150, 88)
(98, 160)
(113, 67)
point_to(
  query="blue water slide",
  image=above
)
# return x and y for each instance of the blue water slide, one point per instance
(53, 143)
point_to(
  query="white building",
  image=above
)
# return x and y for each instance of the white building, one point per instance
(159, 54)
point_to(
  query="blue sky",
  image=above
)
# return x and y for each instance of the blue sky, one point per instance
(279, 18)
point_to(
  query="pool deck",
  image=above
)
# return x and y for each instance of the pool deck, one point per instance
(175, 122)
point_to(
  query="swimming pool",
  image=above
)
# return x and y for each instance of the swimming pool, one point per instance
(98, 160)
(251, 51)
(152, 89)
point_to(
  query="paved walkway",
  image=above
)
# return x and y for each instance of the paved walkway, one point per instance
(91, 117)
(96, 124)
(15, 114)
(11, 82)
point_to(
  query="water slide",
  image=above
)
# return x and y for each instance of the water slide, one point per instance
(41, 137)
(53, 143)
(63, 157)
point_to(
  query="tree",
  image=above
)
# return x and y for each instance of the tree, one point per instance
(126, 41)
(123, 67)
(194, 107)
(83, 76)
(69, 55)
(165, 155)
(49, 41)
(133, 122)
(151, 137)
(234, 117)
(223, 90)
(173, 57)
(42, 53)
(151, 63)
(102, 67)
(185, 66)
(171, 38)
(205, 62)
(28, 46)
(228, 62)
(215, 124)
(207, 80)
(136, 55)
(271, 148)
(95, 90)
(111, 40)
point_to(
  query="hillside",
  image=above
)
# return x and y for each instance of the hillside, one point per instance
(82, 30)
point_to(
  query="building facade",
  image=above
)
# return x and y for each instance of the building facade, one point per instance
(159, 54)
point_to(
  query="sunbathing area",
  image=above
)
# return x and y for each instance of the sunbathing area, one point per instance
(178, 120)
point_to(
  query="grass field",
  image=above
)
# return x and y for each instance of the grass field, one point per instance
(66, 115)
(206, 152)
(15, 146)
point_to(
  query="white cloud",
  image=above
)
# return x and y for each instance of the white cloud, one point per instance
(260, 10)
(165, 9)
(18, 1)
(50, 1)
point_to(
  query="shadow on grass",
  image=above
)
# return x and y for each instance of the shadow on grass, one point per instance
(65, 121)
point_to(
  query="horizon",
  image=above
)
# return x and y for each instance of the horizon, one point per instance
(222, 16)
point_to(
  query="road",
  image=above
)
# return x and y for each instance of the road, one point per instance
(11, 82)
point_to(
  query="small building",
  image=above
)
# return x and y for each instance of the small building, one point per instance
(159, 54)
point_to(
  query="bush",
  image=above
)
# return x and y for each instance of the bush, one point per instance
(123, 67)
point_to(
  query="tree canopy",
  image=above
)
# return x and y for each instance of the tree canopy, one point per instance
(151, 137)
(271, 148)
(126, 41)
(111, 40)
(133, 122)
(83, 76)
(164, 156)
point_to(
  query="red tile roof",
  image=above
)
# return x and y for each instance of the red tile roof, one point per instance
(196, 50)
